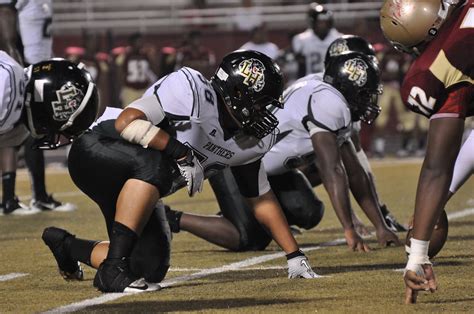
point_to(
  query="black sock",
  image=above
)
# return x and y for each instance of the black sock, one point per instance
(8, 184)
(34, 159)
(80, 249)
(122, 241)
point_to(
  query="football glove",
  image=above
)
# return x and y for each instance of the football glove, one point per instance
(192, 171)
(298, 267)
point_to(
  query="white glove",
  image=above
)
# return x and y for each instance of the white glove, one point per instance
(298, 267)
(192, 171)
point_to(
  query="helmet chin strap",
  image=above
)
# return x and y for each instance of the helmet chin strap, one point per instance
(85, 100)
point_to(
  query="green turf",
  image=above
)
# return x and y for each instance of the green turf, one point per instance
(355, 282)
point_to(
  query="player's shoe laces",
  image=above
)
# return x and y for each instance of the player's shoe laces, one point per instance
(15, 207)
(114, 275)
(55, 238)
(173, 217)
(49, 203)
(390, 220)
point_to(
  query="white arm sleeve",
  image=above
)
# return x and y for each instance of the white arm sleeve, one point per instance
(464, 166)
(151, 107)
(176, 94)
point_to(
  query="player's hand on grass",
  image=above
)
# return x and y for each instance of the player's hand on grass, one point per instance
(359, 226)
(387, 237)
(298, 267)
(423, 280)
(354, 241)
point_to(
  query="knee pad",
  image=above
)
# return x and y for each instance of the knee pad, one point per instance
(296, 196)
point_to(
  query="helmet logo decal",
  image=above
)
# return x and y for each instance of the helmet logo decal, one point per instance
(69, 99)
(338, 47)
(253, 72)
(356, 70)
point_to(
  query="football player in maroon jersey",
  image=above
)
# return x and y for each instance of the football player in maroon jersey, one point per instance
(438, 85)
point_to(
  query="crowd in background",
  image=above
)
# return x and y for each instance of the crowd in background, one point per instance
(138, 63)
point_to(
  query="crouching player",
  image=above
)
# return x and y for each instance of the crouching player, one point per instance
(181, 131)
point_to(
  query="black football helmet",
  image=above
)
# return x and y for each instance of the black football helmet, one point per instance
(317, 12)
(249, 82)
(357, 77)
(61, 102)
(349, 43)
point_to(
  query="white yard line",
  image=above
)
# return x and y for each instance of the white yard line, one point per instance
(173, 281)
(12, 276)
(460, 214)
(242, 265)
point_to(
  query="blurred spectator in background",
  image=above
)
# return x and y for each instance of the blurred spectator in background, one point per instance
(247, 17)
(194, 55)
(311, 45)
(259, 42)
(134, 69)
(288, 62)
(397, 130)
(95, 61)
(167, 62)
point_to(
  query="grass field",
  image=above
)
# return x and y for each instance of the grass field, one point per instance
(206, 278)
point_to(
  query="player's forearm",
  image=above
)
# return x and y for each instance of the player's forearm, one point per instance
(268, 213)
(363, 192)
(134, 127)
(430, 200)
(335, 183)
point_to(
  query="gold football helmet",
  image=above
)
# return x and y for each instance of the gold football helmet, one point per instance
(409, 23)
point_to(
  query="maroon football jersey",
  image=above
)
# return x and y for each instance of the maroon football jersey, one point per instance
(137, 71)
(446, 64)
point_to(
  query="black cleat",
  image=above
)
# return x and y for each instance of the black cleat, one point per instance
(390, 220)
(173, 217)
(54, 238)
(114, 275)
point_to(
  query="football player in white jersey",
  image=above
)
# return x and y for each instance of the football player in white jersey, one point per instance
(235, 228)
(34, 20)
(320, 123)
(53, 98)
(311, 45)
(183, 129)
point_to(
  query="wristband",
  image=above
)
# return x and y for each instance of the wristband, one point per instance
(175, 149)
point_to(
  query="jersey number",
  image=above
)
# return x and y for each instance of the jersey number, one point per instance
(137, 71)
(314, 62)
(419, 100)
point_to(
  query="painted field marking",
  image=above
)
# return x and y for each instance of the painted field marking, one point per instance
(12, 276)
(225, 268)
(173, 281)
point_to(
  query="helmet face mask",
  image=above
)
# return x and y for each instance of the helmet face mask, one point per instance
(356, 76)
(249, 83)
(61, 102)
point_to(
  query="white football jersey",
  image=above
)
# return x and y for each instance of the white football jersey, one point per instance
(268, 48)
(311, 106)
(34, 19)
(190, 103)
(313, 48)
(12, 88)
